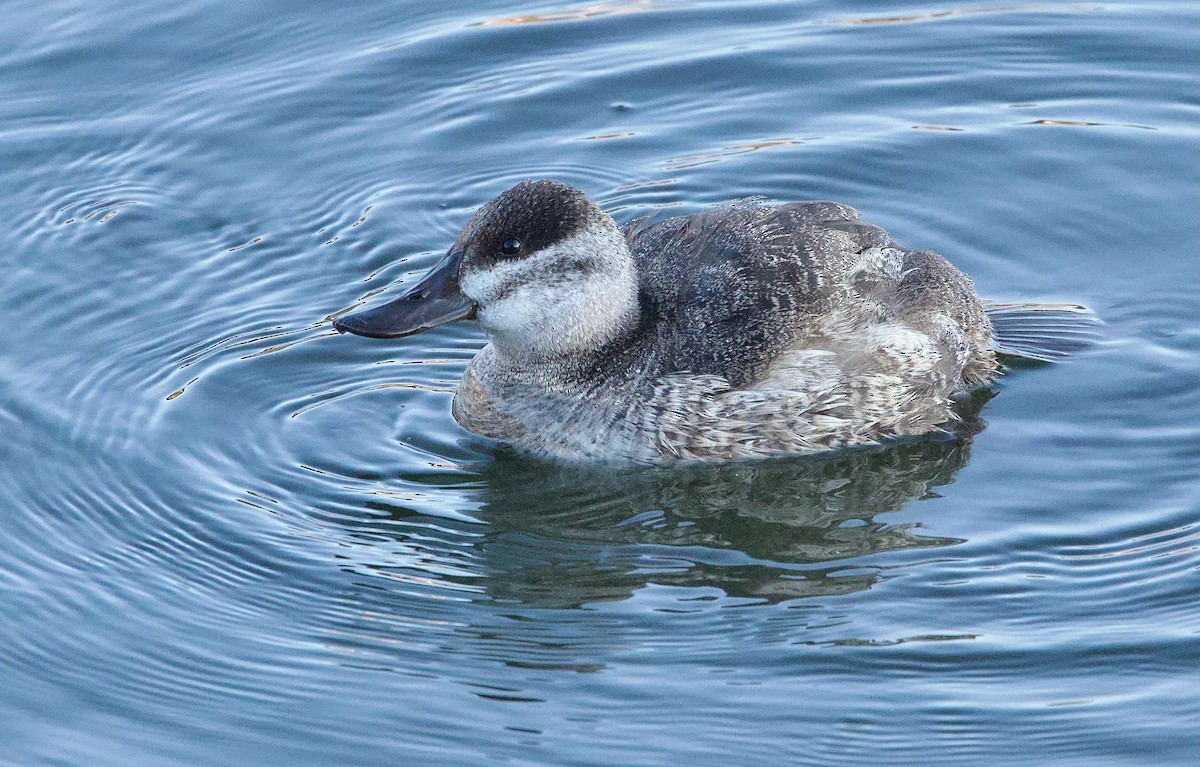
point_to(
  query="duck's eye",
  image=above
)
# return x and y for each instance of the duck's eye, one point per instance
(511, 247)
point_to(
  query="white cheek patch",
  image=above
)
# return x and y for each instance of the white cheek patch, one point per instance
(571, 296)
(520, 312)
(483, 286)
(548, 314)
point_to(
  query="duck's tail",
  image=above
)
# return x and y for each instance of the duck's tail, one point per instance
(1042, 332)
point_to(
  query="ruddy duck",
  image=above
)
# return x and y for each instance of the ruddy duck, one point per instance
(748, 330)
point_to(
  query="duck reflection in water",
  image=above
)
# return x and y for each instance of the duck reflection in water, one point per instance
(566, 536)
(562, 536)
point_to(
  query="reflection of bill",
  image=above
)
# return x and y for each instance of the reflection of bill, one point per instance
(566, 536)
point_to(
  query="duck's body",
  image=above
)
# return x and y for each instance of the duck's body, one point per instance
(744, 331)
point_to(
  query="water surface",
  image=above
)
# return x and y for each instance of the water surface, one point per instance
(231, 537)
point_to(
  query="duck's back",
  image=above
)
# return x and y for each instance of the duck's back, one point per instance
(727, 291)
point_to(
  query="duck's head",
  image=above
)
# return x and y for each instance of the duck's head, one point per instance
(546, 272)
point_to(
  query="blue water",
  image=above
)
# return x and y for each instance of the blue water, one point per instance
(230, 537)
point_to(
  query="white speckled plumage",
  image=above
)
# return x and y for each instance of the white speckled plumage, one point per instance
(745, 331)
